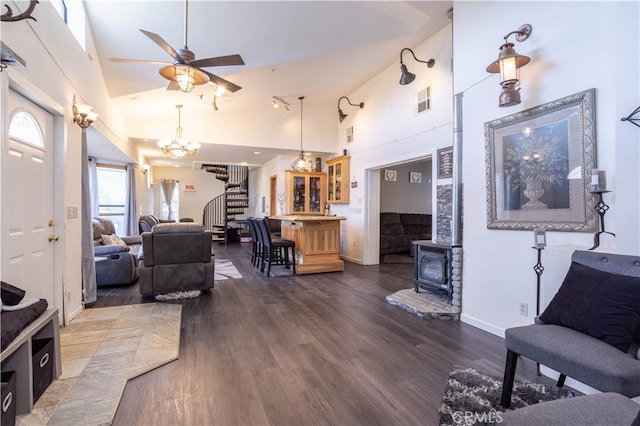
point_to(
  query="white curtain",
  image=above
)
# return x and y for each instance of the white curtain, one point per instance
(93, 187)
(168, 186)
(88, 265)
(130, 216)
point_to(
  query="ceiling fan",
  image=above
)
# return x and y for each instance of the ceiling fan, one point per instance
(186, 71)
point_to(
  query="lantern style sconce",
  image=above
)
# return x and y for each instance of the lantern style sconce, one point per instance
(407, 77)
(342, 115)
(508, 64)
(83, 115)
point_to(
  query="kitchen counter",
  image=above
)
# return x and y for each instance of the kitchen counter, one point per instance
(317, 241)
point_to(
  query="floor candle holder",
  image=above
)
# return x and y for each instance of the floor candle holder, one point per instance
(601, 207)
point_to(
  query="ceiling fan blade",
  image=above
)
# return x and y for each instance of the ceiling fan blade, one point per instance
(139, 61)
(218, 61)
(164, 45)
(219, 81)
(173, 86)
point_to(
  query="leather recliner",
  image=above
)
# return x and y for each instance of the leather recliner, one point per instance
(176, 257)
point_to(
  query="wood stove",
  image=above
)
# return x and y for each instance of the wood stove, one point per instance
(432, 267)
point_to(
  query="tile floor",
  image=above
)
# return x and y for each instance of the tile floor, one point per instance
(101, 349)
(424, 304)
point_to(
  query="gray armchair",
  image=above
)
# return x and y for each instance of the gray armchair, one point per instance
(116, 264)
(176, 257)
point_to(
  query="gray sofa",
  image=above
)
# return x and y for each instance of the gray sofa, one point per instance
(115, 264)
(397, 230)
(602, 293)
(609, 409)
(176, 257)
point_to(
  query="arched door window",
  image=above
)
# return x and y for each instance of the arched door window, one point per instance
(25, 128)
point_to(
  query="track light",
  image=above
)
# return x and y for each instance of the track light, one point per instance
(342, 115)
(407, 77)
(276, 102)
(508, 64)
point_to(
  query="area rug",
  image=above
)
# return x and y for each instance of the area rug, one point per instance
(424, 304)
(101, 349)
(474, 398)
(225, 270)
(177, 295)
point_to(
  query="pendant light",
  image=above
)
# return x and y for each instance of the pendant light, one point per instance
(301, 164)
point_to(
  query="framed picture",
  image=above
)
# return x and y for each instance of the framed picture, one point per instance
(538, 164)
(415, 177)
(445, 162)
(390, 175)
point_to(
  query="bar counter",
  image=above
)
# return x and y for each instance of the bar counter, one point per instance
(317, 241)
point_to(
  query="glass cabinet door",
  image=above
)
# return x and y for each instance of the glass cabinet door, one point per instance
(338, 182)
(331, 173)
(299, 193)
(314, 194)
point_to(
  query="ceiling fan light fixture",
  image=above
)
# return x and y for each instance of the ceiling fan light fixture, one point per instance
(186, 76)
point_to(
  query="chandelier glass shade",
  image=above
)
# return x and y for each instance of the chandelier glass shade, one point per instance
(179, 147)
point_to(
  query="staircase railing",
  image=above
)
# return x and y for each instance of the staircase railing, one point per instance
(222, 210)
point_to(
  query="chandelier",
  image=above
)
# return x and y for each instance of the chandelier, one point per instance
(301, 164)
(178, 147)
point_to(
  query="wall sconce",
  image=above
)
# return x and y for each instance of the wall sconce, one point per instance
(342, 115)
(83, 116)
(276, 102)
(508, 64)
(406, 76)
(144, 169)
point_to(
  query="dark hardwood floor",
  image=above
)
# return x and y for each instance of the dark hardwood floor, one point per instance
(314, 349)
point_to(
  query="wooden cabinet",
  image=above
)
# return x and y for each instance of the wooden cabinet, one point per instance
(338, 180)
(306, 192)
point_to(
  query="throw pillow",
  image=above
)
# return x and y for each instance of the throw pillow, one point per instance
(11, 295)
(112, 240)
(600, 304)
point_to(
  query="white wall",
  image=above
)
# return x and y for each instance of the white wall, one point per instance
(55, 72)
(574, 46)
(388, 132)
(403, 196)
(191, 203)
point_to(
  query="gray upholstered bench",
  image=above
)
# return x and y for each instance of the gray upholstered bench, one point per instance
(575, 354)
(589, 410)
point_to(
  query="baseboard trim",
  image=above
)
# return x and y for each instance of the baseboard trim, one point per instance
(482, 325)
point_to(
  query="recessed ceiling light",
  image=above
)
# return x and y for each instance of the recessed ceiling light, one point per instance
(244, 163)
(256, 152)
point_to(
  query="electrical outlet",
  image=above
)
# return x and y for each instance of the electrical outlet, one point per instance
(524, 309)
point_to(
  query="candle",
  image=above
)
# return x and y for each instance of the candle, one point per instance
(598, 180)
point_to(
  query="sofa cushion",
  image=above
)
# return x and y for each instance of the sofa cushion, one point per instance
(600, 304)
(112, 240)
(11, 295)
(577, 355)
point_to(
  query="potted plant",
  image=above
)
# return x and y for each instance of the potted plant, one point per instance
(535, 161)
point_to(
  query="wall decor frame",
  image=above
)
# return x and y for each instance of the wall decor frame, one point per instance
(445, 162)
(538, 164)
(415, 177)
(390, 175)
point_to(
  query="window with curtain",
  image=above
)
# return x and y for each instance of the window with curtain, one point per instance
(170, 187)
(112, 194)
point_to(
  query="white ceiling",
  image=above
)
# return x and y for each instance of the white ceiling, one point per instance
(319, 49)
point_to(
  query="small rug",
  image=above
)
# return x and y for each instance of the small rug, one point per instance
(474, 398)
(424, 304)
(280, 271)
(175, 295)
(225, 270)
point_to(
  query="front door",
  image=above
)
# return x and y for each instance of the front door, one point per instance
(28, 230)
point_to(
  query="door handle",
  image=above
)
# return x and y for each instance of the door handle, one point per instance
(52, 237)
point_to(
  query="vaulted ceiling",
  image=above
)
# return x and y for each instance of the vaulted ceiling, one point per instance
(319, 49)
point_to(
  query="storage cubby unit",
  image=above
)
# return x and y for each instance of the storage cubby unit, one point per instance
(18, 357)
